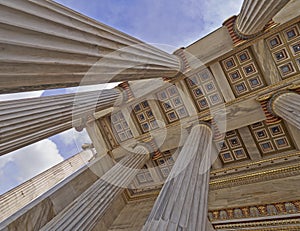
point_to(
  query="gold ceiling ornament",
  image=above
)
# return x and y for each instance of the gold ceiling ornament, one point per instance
(256, 177)
(269, 209)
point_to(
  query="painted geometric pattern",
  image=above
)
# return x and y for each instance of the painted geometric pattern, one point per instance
(285, 49)
(243, 73)
(165, 163)
(204, 90)
(144, 116)
(120, 126)
(232, 148)
(279, 208)
(106, 125)
(144, 176)
(271, 138)
(162, 167)
(172, 104)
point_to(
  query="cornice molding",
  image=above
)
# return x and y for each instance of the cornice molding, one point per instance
(256, 212)
(280, 223)
(255, 177)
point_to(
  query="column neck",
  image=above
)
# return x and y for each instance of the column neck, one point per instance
(286, 105)
(255, 16)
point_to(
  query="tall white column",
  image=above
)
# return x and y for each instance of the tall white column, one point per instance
(182, 202)
(46, 45)
(85, 212)
(286, 105)
(26, 121)
(255, 15)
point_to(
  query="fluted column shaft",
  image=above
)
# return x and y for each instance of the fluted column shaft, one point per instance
(255, 15)
(26, 121)
(286, 105)
(87, 210)
(46, 45)
(182, 202)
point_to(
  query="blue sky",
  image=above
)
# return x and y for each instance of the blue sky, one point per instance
(168, 24)
(177, 23)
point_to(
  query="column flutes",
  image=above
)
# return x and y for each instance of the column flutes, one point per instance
(286, 105)
(87, 210)
(46, 45)
(26, 121)
(182, 202)
(255, 15)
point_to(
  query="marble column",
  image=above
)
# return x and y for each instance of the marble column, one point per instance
(286, 105)
(182, 202)
(255, 15)
(26, 121)
(86, 211)
(46, 45)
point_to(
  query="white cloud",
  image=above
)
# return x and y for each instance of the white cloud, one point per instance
(70, 136)
(23, 164)
(177, 23)
(70, 142)
(181, 22)
(21, 95)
